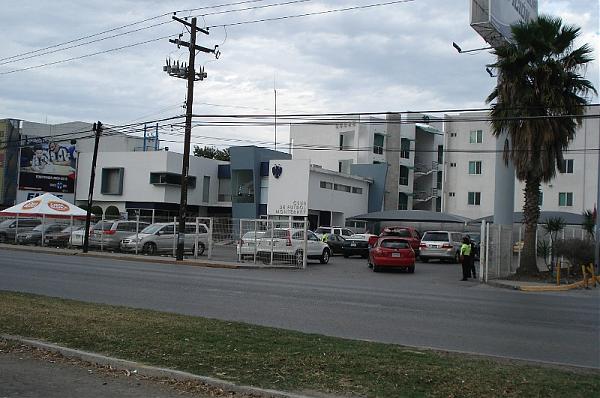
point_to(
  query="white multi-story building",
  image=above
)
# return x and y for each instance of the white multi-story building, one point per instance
(411, 145)
(470, 168)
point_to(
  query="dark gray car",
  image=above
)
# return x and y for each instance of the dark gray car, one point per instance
(34, 236)
(9, 228)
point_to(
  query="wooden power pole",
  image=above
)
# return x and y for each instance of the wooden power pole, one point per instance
(187, 72)
(86, 233)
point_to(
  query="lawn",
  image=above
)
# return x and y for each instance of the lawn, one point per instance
(280, 359)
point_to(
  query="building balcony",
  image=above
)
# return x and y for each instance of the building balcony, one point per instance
(425, 169)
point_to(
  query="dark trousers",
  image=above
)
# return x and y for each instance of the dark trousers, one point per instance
(466, 264)
(472, 267)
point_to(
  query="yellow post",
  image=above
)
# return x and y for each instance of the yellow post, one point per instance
(558, 273)
(591, 270)
(585, 280)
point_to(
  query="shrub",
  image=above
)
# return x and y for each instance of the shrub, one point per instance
(577, 251)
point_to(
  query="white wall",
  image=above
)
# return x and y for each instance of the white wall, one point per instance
(136, 179)
(348, 203)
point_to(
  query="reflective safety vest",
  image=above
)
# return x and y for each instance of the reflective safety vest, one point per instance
(465, 249)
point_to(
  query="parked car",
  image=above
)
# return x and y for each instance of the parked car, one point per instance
(345, 232)
(8, 228)
(287, 243)
(410, 234)
(357, 245)
(159, 238)
(34, 237)
(109, 234)
(336, 243)
(246, 247)
(441, 245)
(390, 252)
(62, 237)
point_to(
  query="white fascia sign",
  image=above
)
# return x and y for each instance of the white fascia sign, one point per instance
(288, 188)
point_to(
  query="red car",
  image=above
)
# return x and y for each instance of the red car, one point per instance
(392, 252)
(407, 233)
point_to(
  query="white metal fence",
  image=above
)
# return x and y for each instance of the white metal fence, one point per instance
(260, 241)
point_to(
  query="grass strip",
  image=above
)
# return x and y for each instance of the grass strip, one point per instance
(279, 359)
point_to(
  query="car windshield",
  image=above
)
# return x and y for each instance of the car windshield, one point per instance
(151, 229)
(436, 237)
(103, 225)
(405, 233)
(395, 244)
(277, 233)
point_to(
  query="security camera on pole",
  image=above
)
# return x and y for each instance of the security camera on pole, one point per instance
(187, 72)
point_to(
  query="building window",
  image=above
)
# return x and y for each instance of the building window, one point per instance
(170, 179)
(475, 167)
(438, 204)
(476, 137)
(206, 189)
(440, 158)
(439, 180)
(341, 142)
(405, 148)
(452, 194)
(475, 198)
(452, 135)
(404, 175)
(357, 190)
(452, 164)
(341, 187)
(326, 185)
(378, 144)
(344, 166)
(224, 189)
(565, 199)
(112, 181)
(567, 166)
(402, 201)
(242, 182)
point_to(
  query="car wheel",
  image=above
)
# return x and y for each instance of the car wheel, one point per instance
(325, 257)
(411, 269)
(149, 248)
(201, 249)
(346, 254)
(424, 260)
(299, 258)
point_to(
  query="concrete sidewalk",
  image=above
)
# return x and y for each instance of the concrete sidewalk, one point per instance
(527, 286)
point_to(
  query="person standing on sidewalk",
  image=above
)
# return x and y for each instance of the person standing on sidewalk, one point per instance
(471, 272)
(465, 258)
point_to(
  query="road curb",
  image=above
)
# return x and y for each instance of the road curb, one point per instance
(541, 288)
(152, 371)
(194, 263)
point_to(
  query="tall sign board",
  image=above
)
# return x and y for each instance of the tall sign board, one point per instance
(492, 19)
(288, 188)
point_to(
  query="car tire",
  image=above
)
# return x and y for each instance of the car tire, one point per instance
(346, 254)
(411, 269)
(325, 256)
(149, 248)
(201, 249)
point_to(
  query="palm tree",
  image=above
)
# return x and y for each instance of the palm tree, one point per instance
(539, 100)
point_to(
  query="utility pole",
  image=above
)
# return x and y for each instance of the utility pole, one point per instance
(86, 234)
(188, 73)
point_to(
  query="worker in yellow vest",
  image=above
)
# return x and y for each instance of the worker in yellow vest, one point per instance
(465, 258)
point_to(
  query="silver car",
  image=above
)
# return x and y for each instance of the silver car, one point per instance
(161, 238)
(441, 245)
(108, 234)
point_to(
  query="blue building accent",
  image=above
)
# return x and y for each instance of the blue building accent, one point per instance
(377, 173)
(248, 165)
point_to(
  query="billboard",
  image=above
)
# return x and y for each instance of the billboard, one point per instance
(288, 187)
(46, 166)
(492, 19)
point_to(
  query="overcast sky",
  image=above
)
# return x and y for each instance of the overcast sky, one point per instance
(391, 58)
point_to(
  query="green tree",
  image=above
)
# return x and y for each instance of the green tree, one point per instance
(589, 222)
(211, 152)
(539, 101)
(553, 226)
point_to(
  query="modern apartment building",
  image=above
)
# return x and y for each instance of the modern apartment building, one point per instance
(471, 161)
(410, 144)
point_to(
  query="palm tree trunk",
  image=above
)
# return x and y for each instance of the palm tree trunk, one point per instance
(531, 214)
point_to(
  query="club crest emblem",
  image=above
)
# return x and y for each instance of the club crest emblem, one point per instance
(277, 170)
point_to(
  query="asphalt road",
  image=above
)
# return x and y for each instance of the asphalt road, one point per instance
(431, 308)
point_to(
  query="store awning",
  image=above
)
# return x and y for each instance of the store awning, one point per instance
(46, 205)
